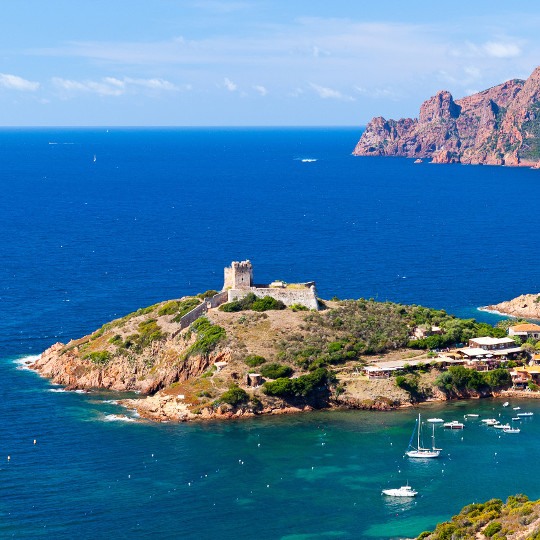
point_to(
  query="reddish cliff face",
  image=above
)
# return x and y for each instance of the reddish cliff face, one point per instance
(499, 126)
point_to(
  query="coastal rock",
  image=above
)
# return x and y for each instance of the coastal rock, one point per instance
(526, 306)
(499, 126)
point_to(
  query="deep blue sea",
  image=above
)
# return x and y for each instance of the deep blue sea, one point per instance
(158, 215)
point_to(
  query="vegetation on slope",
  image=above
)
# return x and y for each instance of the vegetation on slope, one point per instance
(491, 519)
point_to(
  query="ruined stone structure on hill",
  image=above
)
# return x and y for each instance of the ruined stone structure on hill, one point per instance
(239, 283)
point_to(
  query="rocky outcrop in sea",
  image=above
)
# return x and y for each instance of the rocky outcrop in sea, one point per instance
(499, 126)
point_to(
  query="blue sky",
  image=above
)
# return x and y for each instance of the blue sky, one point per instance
(246, 62)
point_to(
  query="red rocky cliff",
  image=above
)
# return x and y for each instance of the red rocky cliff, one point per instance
(499, 126)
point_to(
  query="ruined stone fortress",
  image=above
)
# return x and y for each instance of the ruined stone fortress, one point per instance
(239, 283)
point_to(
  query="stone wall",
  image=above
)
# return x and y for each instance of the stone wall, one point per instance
(201, 309)
(217, 300)
(306, 297)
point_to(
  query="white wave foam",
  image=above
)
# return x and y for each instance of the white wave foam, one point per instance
(118, 418)
(57, 390)
(23, 362)
(495, 312)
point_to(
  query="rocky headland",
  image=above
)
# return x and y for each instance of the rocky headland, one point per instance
(242, 359)
(526, 306)
(499, 126)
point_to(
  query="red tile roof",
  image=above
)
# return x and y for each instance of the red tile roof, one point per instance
(526, 328)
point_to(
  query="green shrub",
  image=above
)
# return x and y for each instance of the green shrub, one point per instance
(276, 371)
(234, 396)
(168, 309)
(117, 340)
(423, 535)
(99, 358)
(254, 360)
(491, 529)
(207, 294)
(208, 335)
(253, 303)
(298, 307)
(302, 386)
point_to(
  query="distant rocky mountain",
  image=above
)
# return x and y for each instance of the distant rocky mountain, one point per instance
(499, 126)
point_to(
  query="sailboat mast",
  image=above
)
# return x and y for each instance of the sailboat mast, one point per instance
(419, 424)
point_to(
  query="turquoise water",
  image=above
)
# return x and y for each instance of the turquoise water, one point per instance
(157, 216)
(315, 475)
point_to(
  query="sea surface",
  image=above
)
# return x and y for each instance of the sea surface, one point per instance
(157, 215)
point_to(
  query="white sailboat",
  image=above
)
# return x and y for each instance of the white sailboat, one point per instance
(418, 451)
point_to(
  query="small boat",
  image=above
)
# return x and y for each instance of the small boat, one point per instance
(94, 158)
(418, 451)
(511, 430)
(525, 413)
(403, 491)
(489, 421)
(501, 426)
(435, 420)
(471, 415)
(517, 408)
(514, 419)
(505, 404)
(454, 424)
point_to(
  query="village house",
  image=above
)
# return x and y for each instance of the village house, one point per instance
(495, 346)
(525, 331)
(422, 333)
(522, 375)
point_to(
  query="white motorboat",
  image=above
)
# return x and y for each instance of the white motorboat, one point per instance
(512, 430)
(403, 491)
(454, 424)
(525, 414)
(418, 451)
(517, 408)
(505, 404)
(471, 415)
(435, 420)
(501, 426)
(490, 421)
(514, 419)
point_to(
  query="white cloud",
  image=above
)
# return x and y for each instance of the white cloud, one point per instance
(378, 93)
(157, 84)
(229, 85)
(326, 93)
(261, 89)
(501, 50)
(13, 82)
(110, 86)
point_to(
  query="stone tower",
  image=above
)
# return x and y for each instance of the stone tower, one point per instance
(239, 275)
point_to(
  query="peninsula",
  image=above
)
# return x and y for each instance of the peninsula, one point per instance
(526, 306)
(275, 348)
(499, 126)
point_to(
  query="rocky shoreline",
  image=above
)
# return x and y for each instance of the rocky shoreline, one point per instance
(526, 306)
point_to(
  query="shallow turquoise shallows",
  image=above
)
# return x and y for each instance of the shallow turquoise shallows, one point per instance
(158, 215)
(314, 475)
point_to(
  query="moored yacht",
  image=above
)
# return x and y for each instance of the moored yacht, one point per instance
(403, 491)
